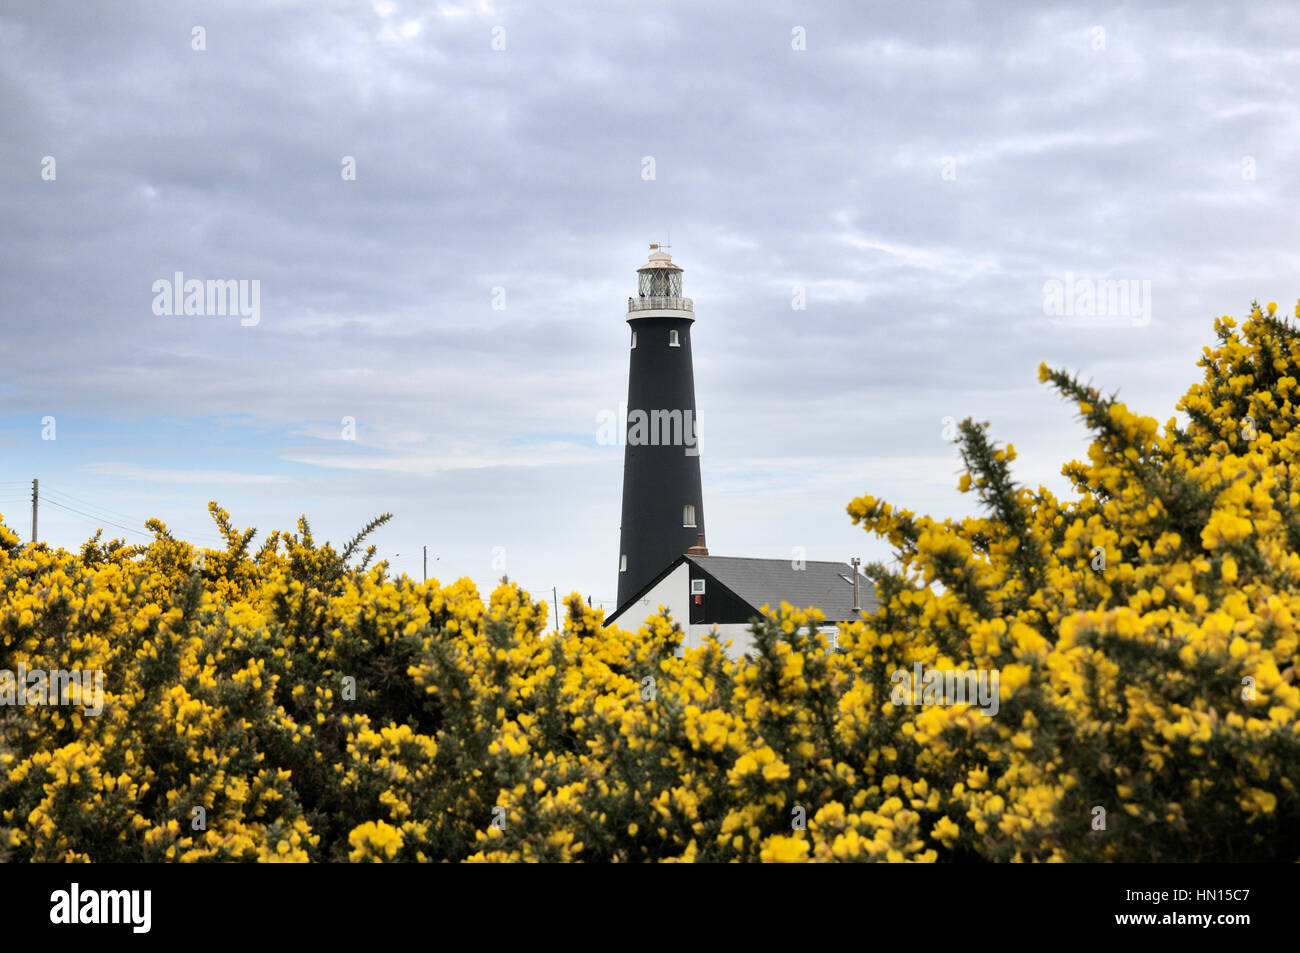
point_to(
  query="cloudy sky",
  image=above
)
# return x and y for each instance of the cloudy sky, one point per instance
(923, 172)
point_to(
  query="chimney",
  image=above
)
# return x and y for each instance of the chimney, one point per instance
(699, 549)
(857, 604)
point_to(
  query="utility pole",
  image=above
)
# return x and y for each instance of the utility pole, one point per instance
(36, 496)
(426, 563)
(555, 599)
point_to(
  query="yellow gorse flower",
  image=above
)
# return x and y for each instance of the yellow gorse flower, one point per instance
(279, 705)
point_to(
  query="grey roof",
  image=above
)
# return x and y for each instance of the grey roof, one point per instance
(827, 586)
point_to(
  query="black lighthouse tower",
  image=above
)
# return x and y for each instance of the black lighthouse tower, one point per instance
(663, 506)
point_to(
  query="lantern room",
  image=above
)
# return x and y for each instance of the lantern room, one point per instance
(659, 277)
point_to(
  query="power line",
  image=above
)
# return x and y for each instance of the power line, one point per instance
(96, 506)
(96, 519)
(79, 500)
(96, 514)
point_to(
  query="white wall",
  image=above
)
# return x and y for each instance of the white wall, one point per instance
(742, 640)
(672, 592)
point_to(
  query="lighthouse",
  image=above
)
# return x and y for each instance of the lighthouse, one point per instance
(663, 506)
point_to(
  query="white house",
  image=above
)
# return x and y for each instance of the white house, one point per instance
(703, 593)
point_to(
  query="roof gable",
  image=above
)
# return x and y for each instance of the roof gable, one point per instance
(827, 586)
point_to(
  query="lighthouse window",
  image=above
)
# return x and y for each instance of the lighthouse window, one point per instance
(622, 563)
(672, 339)
(634, 340)
(688, 515)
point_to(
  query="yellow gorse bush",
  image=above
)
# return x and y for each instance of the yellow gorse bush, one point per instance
(1144, 637)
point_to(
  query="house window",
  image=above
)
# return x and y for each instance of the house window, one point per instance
(672, 339)
(634, 340)
(622, 563)
(688, 515)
